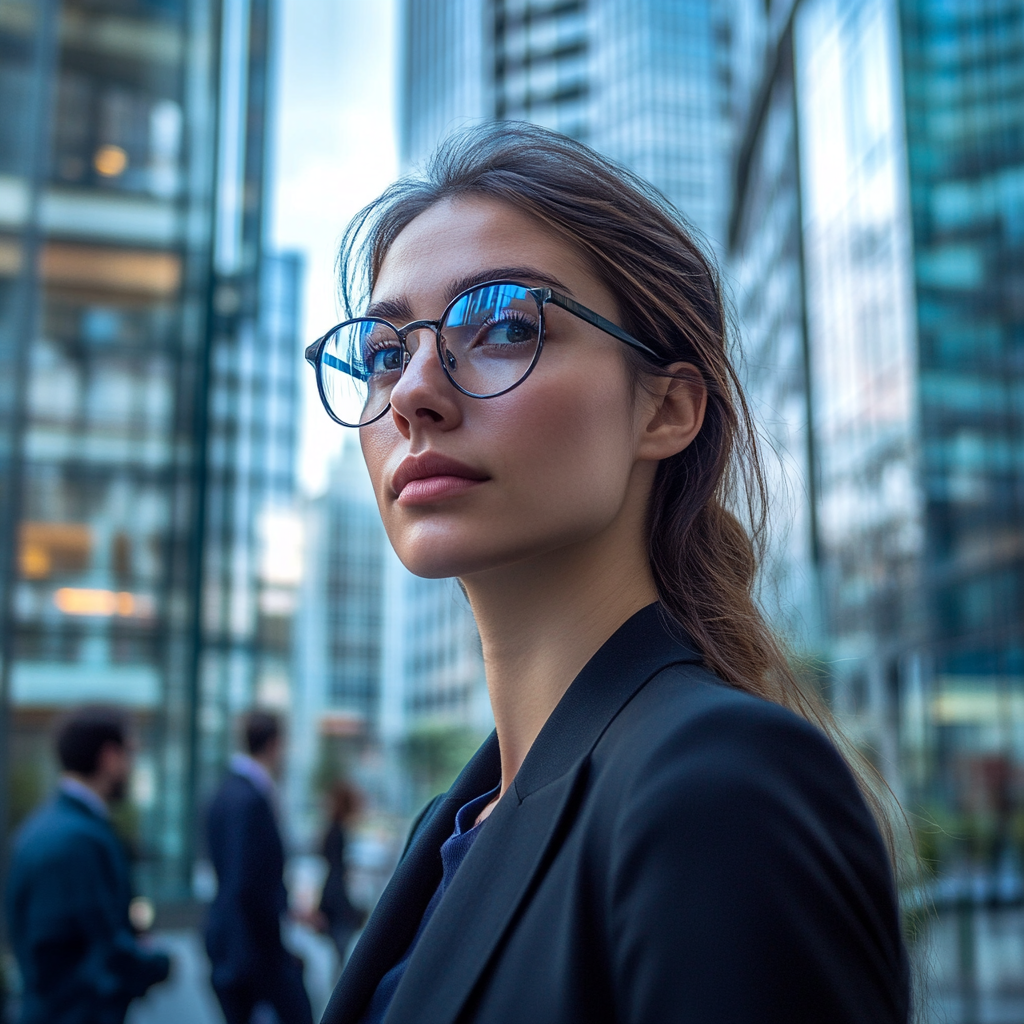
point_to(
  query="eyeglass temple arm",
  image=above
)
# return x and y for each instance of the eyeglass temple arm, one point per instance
(600, 322)
(313, 355)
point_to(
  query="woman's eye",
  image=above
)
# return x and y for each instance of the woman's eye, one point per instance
(384, 360)
(511, 331)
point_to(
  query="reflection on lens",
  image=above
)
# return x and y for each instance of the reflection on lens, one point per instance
(359, 365)
(491, 338)
(489, 342)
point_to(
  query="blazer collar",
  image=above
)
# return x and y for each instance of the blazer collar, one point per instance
(510, 850)
(640, 648)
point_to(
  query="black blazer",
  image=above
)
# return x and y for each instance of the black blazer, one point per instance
(243, 927)
(671, 850)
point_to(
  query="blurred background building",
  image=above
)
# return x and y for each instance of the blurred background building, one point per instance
(881, 181)
(389, 669)
(149, 400)
(878, 255)
(650, 83)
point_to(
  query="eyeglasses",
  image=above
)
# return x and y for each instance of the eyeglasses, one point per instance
(488, 339)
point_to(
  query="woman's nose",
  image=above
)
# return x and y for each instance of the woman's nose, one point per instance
(423, 393)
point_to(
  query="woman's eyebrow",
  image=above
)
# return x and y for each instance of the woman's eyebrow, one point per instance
(395, 310)
(398, 311)
(524, 274)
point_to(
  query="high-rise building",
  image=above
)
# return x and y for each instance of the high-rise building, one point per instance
(963, 77)
(147, 393)
(769, 290)
(381, 655)
(342, 632)
(901, 149)
(648, 83)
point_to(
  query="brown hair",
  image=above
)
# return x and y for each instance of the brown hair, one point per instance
(667, 288)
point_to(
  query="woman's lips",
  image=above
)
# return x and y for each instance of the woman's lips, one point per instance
(430, 488)
(428, 477)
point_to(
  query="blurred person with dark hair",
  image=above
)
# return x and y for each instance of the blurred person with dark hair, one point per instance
(69, 887)
(243, 931)
(338, 917)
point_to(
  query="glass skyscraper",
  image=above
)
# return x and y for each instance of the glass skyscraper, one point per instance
(769, 290)
(147, 393)
(342, 631)
(908, 170)
(963, 66)
(648, 83)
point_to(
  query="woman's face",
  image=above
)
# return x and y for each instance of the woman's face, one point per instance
(552, 463)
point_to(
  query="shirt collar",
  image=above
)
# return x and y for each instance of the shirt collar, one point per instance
(84, 795)
(249, 768)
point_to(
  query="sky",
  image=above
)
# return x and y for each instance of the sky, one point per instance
(334, 151)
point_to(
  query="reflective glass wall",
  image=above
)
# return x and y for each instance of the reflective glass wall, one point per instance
(767, 277)
(964, 82)
(148, 393)
(649, 83)
(908, 169)
(862, 357)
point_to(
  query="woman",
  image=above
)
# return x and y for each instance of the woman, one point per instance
(336, 915)
(659, 829)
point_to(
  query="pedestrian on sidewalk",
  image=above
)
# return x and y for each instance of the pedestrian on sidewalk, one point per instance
(337, 916)
(250, 964)
(69, 887)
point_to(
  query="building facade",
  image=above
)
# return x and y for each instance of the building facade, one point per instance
(341, 633)
(148, 392)
(963, 75)
(649, 83)
(908, 169)
(384, 660)
(769, 290)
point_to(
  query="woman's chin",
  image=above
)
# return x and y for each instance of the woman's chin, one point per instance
(435, 566)
(432, 557)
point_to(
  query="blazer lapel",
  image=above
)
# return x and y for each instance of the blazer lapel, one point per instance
(522, 834)
(396, 917)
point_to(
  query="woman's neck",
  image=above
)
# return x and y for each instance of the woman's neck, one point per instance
(541, 621)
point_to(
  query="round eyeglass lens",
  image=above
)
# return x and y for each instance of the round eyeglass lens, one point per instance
(359, 365)
(490, 338)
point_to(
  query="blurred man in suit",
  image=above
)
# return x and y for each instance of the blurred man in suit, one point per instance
(243, 931)
(69, 887)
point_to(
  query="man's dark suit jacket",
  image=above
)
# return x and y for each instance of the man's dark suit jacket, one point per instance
(672, 850)
(68, 896)
(243, 929)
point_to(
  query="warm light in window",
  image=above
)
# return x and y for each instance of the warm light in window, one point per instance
(53, 549)
(110, 161)
(85, 601)
(35, 561)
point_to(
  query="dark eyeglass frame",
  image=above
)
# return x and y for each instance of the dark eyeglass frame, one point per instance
(542, 296)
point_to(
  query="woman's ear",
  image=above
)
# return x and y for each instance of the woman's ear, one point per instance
(673, 412)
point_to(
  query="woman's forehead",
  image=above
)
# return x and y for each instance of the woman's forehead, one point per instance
(464, 241)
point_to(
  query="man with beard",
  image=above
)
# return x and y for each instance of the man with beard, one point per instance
(69, 887)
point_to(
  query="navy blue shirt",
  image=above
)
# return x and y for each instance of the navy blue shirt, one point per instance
(453, 853)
